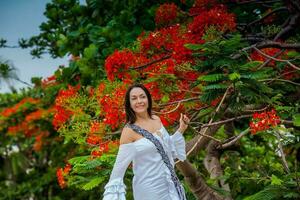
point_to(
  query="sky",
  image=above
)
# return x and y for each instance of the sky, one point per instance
(21, 19)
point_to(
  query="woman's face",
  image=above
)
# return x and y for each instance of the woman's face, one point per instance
(138, 100)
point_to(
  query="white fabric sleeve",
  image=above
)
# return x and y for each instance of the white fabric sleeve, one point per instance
(115, 189)
(177, 144)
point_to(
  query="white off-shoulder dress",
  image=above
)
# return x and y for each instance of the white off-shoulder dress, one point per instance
(152, 178)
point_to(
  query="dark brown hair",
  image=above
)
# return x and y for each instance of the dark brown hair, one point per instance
(130, 114)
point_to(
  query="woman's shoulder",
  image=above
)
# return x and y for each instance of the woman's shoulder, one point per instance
(127, 135)
(156, 117)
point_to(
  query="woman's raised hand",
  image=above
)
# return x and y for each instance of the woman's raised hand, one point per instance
(183, 122)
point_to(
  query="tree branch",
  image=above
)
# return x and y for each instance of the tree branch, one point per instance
(150, 63)
(234, 140)
(267, 15)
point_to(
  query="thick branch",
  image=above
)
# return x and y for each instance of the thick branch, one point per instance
(196, 183)
(213, 166)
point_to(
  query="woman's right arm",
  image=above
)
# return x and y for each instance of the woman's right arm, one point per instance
(115, 189)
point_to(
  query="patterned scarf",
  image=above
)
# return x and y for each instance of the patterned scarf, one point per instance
(164, 156)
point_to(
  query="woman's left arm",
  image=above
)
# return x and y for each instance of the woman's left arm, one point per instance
(177, 141)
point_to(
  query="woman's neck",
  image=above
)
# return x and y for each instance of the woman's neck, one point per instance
(142, 117)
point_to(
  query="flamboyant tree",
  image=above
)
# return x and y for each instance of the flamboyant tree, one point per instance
(232, 66)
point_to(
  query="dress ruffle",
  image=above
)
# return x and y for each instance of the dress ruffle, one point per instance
(115, 190)
(177, 144)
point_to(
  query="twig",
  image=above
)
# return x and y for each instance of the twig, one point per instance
(210, 121)
(257, 2)
(276, 59)
(175, 102)
(285, 165)
(267, 15)
(208, 136)
(225, 121)
(269, 59)
(282, 80)
(257, 110)
(170, 111)
(268, 44)
(150, 63)
(237, 138)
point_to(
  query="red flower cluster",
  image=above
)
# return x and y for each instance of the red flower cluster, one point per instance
(117, 64)
(153, 87)
(61, 173)
(168, 40)
(166, 14)
(97, 127)
(218, 17)
(202, 5)
(22, 105)
(38, 114)
(112, 106)
(23, 127)
(51, 80)
(13, 130)
(104, 148)
(263, 121)
(61, 115)
(171, 117)
(93, 139)
(37, 146)
(269, 51)
(71, 91)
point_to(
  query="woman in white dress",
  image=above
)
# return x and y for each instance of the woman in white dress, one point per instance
(146, 143)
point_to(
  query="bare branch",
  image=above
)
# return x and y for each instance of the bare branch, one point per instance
(170, 111)
(175, 102)
(276, 59)
(150, 63)
(225, 121)
(237, 138)
(282, 155)
(282, 80)
(268, 44)
(208, 136)
(267, 15)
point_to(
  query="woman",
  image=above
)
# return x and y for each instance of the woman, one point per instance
(145, 142)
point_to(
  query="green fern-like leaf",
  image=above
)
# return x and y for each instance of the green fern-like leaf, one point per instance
(269, 193)
(215, 87)
(250, 65)
(91, 164)
(93, 183)
(212, 77)
(79, 159)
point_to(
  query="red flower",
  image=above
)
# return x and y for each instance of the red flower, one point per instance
(166, 13)
(60, 178)
(118, 63)
(218, 17)
(263, 121)
(67, 168)
(93, 139)
(21, 106)
(61, 173)
(60, 117)
(51, 80)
